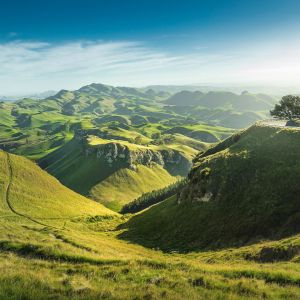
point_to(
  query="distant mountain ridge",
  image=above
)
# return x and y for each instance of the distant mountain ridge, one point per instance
(222, 108)
(244, 101)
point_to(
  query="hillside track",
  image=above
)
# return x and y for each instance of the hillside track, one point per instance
(7, 196)
(55, 231)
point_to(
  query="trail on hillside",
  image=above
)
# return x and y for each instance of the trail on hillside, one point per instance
(13, 210)
(7, 193)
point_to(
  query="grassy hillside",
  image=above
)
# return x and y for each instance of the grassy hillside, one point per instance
(108, 176)
(243, 190)
(50, 251)
(125, 185)
(30, 191)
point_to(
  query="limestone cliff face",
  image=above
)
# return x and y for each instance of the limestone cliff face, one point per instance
(118, 153)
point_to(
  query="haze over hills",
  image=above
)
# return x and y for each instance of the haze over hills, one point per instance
(40, 95)
(273, 90)
(223, 108)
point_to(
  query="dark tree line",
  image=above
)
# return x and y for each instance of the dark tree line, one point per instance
(153, 197)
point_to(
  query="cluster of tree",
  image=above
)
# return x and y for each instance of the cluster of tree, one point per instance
(159, 139)
(153, 197)
(138, 140)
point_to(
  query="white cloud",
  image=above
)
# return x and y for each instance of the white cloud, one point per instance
(27, 67)
(36, 66)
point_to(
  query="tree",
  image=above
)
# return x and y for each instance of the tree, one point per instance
(138, 140)
(288, 108)
(156, 196)
(156, 136)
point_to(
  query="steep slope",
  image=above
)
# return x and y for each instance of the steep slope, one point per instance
(125, 185)
(31, 193)
(244, 189)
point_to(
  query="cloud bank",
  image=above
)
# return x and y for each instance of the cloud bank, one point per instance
(27, 67)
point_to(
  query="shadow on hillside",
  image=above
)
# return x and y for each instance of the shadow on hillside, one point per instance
(143, 229)
(167, 227)
(170, 227)
(258, 250)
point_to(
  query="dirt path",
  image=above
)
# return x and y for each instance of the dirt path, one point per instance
(55, 233)
(7, 194)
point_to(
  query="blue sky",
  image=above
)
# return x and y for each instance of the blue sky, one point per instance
(65, 44)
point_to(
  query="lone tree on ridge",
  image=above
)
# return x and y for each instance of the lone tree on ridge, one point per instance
(288, 108)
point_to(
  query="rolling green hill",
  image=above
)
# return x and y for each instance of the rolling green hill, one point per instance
(29, 191)
(125, 185)
(115, 172)
(243, 190)
(56, 244)
(36, 127)
(67, 131)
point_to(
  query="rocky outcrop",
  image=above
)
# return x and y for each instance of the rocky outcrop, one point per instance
(118, 153)
(145, 157)
(198, 189)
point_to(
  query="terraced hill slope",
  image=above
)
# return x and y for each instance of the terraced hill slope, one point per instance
(243, 190)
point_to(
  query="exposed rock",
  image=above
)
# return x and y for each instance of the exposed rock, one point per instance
(199, 188)
(119, 153)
